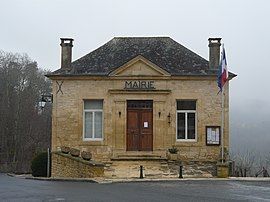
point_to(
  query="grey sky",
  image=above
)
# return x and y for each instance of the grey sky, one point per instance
(35, 26)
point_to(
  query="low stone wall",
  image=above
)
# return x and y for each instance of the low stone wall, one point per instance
(65, 165)
(199, 169)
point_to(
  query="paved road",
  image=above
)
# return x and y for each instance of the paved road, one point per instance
(17, 189)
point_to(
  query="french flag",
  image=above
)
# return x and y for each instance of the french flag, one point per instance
(223, 70)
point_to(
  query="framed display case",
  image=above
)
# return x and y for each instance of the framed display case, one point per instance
(212, 135)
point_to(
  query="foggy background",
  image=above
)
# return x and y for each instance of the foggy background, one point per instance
(35, 26)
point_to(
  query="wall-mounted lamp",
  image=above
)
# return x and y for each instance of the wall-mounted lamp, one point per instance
(44, 99)
(119, 113)
(169, 118)
(41, 104)
(159, 113)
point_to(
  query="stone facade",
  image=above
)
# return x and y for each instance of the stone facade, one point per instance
(69, 93)
(68, 115)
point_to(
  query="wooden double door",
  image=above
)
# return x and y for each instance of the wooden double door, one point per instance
(140, 125)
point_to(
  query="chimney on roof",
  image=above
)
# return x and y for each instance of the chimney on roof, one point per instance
(66, 52)
(214, 52)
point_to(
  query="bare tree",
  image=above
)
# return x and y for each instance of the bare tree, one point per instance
(263, 165)
(244, 163)
(23, 131)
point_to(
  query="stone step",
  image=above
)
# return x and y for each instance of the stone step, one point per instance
(138, 156)
(142, 158)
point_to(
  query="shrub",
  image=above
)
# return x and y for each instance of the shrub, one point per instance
(65, 149)
(75, 152)
(173, 150)
(39, 165)
(86, 155)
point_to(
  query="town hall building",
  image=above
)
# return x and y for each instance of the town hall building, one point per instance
(138, 101)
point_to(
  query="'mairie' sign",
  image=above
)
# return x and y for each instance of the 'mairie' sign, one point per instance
(139, 85)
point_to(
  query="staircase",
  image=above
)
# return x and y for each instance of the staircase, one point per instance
(155, 166)
(128, 166)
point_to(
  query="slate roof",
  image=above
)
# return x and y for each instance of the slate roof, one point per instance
(162, 51)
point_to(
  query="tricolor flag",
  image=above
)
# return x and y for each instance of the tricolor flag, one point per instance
(223, 70)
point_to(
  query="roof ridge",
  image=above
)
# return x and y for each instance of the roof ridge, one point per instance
(147, 37)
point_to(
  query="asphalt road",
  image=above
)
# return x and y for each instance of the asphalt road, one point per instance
(18, 189)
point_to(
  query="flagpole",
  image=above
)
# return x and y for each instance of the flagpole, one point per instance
(222, 115)
(222, 126)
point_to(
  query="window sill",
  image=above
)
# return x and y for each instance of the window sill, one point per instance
(93, 139)
(186, 140)
(92, 142)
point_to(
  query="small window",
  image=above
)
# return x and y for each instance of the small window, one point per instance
(93, 119)
(186, 120)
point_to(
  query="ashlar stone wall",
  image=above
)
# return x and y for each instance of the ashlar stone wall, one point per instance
(68, 114)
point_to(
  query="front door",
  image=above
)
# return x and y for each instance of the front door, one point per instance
(140, 125)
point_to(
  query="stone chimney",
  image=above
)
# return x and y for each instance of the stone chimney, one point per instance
(66, 52)
(214, 52)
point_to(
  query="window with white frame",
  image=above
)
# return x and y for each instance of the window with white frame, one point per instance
(93, 120)
(186, 120)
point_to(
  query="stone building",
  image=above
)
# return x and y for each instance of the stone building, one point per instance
(131, 101)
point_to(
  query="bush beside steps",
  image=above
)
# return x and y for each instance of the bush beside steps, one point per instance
(39, 165)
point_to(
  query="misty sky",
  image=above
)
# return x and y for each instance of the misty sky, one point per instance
(35, 26)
